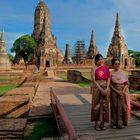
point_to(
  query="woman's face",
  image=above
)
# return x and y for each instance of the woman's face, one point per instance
(100, 62)
(116, 65)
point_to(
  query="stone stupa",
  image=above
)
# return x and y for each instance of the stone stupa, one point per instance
(47, 53)
(4, 59)
(92, 50)
(118, 47)
(67, 58)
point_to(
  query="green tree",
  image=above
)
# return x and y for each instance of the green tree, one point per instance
(135, 55)
(11, 57)
(24, 46)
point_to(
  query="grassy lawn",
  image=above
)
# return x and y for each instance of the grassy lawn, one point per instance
(6, 88)
(84, 84)
(134, 92)
(7, 79)
(87, 75)
(62, 75)
(43, 129)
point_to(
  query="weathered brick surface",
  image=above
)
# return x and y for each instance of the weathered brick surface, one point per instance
(12, 124)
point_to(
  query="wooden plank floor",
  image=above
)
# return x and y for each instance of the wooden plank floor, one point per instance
(77, 105)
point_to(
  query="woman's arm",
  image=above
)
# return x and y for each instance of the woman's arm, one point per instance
(95, 82)
(116, 91)
(107, 86)
(126, 84)
(108, 83)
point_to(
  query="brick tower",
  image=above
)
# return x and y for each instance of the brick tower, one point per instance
(4, 59)
(92, 50)
(118, 47)
(46, 54)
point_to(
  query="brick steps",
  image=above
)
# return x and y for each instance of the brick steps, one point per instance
(12, 129)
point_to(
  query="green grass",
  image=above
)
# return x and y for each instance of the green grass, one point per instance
(7, 79)
(134, 92)
(6, 88)
(62, 75)
(84, 84)
(43, 129)
(87, 75)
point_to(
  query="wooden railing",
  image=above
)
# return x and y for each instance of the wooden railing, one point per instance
(59, 111)
(135, 104)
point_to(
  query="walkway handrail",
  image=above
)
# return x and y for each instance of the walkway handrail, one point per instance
(135, 104)
(70, 130)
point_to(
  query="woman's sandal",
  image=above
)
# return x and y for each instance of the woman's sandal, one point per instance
(113, 126)
(102, 126)
(97, 127)
(119, 127)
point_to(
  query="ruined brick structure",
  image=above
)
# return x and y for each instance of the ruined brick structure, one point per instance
(46, 54)
(80, 52)
(92, 50)
(118, 47)
(67, 57)
(134, 80)
(4, 59)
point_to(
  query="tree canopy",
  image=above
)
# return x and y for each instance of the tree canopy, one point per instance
(24, 46)
(11, 57)
(135, 55)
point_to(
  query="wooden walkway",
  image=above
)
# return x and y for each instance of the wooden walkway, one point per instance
(77, 105)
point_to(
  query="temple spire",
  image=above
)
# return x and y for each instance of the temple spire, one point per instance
(2, 36)
(92, 51)
(2, 43)
(4, 59)
(47, 54)
(67, 58)
(117, 24)
(117, 19)
(92, 41)
(117, 47)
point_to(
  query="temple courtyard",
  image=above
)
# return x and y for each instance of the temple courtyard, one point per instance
(26, 103)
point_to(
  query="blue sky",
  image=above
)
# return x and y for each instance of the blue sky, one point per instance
(73, 20)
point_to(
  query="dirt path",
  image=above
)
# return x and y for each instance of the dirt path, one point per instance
(41, 100)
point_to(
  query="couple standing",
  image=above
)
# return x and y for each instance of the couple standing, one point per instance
(109, 87)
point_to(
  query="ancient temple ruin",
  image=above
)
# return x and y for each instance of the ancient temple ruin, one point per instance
(46, 54)
(118, 47)
(4, 59)
(67, 57)
(80, 52)
(92, 50)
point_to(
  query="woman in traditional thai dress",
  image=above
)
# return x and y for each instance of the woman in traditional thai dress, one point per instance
(100, 76)
(119, 96)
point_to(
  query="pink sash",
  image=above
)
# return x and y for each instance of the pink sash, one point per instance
(102, 73)
(127, 97)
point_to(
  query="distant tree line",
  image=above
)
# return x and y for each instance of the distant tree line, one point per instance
(136, 56)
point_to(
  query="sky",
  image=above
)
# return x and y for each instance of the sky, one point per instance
(73, 20)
